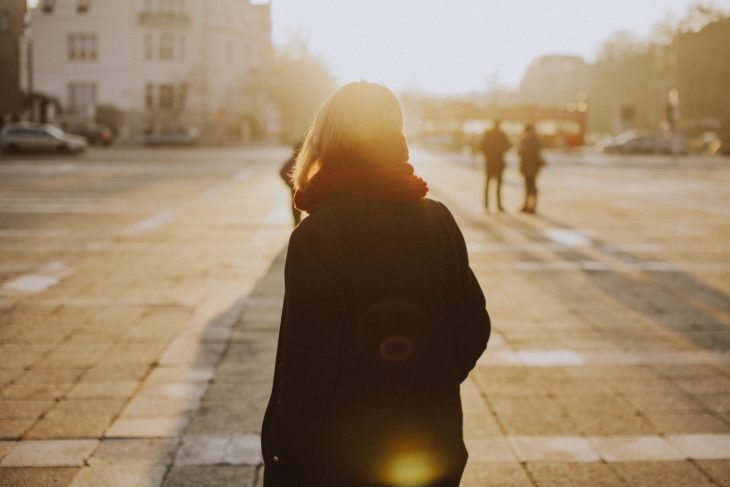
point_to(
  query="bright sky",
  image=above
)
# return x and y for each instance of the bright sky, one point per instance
(452, 46)
(456, 46)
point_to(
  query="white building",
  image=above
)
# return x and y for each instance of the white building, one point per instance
(163, 63)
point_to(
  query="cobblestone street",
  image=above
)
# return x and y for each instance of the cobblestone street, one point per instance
(140, 293)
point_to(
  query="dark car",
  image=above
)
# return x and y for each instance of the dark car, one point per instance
(94, 133)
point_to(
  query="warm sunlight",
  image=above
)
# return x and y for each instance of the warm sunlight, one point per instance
(460, 45)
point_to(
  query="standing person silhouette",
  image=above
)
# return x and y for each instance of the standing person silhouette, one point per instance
(531, 161)
(286, 172)
(494, 145)
(382, 317)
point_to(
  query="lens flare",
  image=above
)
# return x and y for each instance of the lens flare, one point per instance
(411, 470)
(412, 460)
(396, 348)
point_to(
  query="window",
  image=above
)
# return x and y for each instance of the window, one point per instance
(167, 48)
(82, 97)
(167, 97)
(82, 6)
(5, 22)
(149, 47)
(82, 47)
(181, 48)
(149, 99)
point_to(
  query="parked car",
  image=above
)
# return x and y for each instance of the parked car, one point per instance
(639, 142)
(632, 142)
(672, 144)
(35, 137)
(187, 137)
(94, 133)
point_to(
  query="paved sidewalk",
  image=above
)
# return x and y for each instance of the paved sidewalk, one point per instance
(120, 284)
(221, 445)
(609, 364)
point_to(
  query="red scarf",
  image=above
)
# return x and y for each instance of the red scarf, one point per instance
(394, 182)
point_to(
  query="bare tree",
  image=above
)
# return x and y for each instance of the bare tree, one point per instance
(302, 80)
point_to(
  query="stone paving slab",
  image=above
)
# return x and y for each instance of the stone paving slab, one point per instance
(147, 427)
(546, 474)
(119, 476)
(36, 477)
(61, 453)
(188, 476)
(220, 449)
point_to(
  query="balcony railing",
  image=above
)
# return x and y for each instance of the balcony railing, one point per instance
(164, 18)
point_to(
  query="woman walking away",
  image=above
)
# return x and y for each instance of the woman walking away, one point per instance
(382, 317)
(530, 163)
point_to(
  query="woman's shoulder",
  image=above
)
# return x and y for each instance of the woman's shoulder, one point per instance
(345, 209)
(335, 216)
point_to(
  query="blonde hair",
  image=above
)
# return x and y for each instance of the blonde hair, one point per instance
(356, 115)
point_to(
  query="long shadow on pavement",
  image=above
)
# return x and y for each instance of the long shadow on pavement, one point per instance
(221, 444)
(667, 297)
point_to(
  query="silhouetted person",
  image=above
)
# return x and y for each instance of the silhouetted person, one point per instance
(287, 172)
(530, 163)
(494, 145)
(382, 317)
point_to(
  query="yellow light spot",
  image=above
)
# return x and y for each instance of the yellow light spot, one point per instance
(411, 470)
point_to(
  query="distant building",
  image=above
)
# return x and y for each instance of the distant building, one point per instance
(554, 80)
(163, 64)
(12, 15)
(703, 78)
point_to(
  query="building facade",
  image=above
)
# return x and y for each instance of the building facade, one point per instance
(162, 64)
(12, 21)
(703, 79)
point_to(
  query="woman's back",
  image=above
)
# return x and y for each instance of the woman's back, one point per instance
(405, 322)
(382, 317)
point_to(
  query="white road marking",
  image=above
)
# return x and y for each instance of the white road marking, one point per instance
(44, 278)
(619, 448)
(568, 238)
(542, 358)
(154, 222)
(574, 358)
(650, 266)
(30, 283)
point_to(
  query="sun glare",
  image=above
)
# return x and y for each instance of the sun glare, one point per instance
(410, 470)
(456, 46)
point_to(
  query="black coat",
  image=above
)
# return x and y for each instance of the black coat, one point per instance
(531, 160)
(382, 320)
(494, 145)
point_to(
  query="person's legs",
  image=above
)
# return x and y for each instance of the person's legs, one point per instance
(534, 194)
(531, 194)
(525, 206)
(498, 178)
(490, 176)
